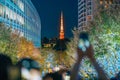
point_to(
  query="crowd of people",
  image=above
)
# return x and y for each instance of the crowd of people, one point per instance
(28, 69)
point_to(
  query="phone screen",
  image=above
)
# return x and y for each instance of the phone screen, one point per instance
(83, 41)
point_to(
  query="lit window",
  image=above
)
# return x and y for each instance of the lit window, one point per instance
(11, 14)
(110, 2)
(89, 18)
(106, 6)
(15, 16)
(21, 5)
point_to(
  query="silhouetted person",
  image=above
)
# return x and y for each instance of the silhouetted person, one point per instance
(117, 77)
(57, 76)
(48, 76)
(5, 63)
(30, 69)
(90, 54)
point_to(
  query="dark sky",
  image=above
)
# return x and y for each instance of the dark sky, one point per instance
(50, 10)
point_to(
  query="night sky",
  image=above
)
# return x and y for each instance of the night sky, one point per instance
(50, 10)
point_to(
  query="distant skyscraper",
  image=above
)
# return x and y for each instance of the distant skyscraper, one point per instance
(61, 42)
(85, 12)
(61, 28)
(23, 17)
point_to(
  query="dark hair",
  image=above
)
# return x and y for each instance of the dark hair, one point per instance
(28, 64)
(57, 76)
(48, 75)
(5, 63)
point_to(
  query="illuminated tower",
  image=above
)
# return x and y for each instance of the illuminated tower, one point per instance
(61, 36)
(61, 42)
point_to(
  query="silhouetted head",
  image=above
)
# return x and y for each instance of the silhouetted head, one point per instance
(57, 76)
(29, 69)
(48, 76)
(118, 75)
(28, 64)
(5, 63)
(5, 60)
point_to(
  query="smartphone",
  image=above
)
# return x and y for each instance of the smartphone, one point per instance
(83, 43)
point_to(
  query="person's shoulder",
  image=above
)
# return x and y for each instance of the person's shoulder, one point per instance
(113, 78)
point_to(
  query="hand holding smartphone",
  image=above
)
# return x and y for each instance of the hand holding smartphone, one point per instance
(83, 43)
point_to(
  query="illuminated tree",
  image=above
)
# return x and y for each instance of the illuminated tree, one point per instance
(105, 37)
(25, 48)
(72, 45)
(4, 37)
(16, 47)
(47, 57)
(8, 42)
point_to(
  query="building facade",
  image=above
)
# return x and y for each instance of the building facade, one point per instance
(23, 17)
(85, 12)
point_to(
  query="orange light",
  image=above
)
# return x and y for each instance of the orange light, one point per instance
(101, 2)
(61, 27)
(89, 18)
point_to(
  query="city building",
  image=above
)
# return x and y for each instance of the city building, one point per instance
(85, 12)
(23, 17)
